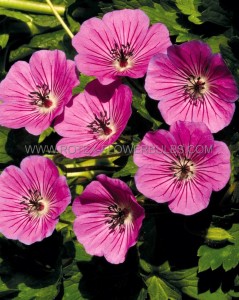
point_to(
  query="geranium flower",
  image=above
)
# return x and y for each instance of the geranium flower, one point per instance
(121, 44)
(95, 119)
(192, 84)
(31, 199)
(34, 94)
(108, 218)
(182, 166)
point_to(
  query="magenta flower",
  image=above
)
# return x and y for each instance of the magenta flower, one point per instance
(95, 120)
(108, 218)
(31, 199)
(34, 94)
(182, 166)
(121, 44)
(192, 84)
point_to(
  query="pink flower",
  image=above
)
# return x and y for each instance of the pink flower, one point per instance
(121, 44)
(182, 166)
(192, 84)
(31, 199)
(95, 120)
(34, 94)
(108, 218)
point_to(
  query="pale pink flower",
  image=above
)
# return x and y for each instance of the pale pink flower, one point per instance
(31, 199)
(34, 93)
(121, 44)
(182, 166)
(192, 84)
(108, 218)
(95, 119)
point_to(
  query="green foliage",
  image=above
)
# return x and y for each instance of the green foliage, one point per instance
(83, 82)
(3, 40)
(168, 17)
(139, 103)
(45, 134)
(226, 256)
(4, 157)
(214, 13)
(190, 8)
(128, 170)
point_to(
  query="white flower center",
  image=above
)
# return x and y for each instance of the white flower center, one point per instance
(122, 57)
(102, 126)
(196, 88)
(35, 204)
(183, 169)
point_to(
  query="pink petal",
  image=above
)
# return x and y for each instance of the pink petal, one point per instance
(78, 139)
(192, 197)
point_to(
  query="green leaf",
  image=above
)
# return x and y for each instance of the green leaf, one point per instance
(4, 157)
(42, 41)
(169, 18)
(44, 20)
(3, 40)
(218, 234)
(158, 289)
(128, 170)
(139, 103)
(185, 37)
(45, 134)
(83, 82)
(121, 4)
(80, 254)
(214, 13)
(16, 15)
(182, 281)
(190, 8)
(231, 60)
(71, 286)
(227, 256)
(143, 295)
(216, 41)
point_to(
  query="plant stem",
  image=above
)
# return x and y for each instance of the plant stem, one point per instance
(59, 18)
(31, 6)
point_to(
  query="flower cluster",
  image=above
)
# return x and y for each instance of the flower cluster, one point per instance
(196, 94)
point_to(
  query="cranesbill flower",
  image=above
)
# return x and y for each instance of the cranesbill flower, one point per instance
(31, 199)
(121, 44)
(108, 218)
(192, 84)
(34, 94)
(95, 119)
(182, 166)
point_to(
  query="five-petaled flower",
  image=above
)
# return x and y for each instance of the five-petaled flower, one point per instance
(108, 218)
(95, 119)
(34, 94)
(31, 199)
(121, 44)
(192, 84)
(182, 166)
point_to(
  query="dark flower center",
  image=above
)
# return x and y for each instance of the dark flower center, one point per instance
(33, 202)
(101, 124)
(183, 169)
(41, 96)
(122, 54)
(116, 216)
(195, 88)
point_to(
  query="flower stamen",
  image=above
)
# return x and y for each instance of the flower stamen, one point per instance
(101, 124)
(41, 97)
(183, 169)
(116, 216)
(33, 203)
(121, 56)
(195, 88)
